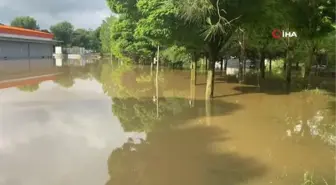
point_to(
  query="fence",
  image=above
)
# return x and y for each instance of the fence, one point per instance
(75, 50)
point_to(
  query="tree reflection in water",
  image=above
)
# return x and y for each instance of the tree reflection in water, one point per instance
(175, 151)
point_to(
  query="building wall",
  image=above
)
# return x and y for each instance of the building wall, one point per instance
(13, 49)
(19, 50)
(40, 50)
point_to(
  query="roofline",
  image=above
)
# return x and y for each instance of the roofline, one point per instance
(27, 32)
(29, 40)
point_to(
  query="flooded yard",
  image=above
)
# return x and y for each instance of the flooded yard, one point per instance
(119, 124)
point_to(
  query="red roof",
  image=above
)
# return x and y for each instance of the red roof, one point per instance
(24, 32)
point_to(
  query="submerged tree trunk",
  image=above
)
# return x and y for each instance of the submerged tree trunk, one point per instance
(240, 69)
(209, 92)
(225, 66)
(205, 62)
(297, 67)
(208, 113)
(270, 66)
(284, 65)
(308, 66)
(193, 70)
(157, 82)
(262, 64)
(210, 81)
(221, 66)
(289, 59)
(192, 93)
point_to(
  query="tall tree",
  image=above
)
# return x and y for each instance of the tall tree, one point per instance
(80, 38)
(25, 22)
(218, 20)
(314, 20)
(63, 31)
(105, 34)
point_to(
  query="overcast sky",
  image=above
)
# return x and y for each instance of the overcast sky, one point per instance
(82, 14)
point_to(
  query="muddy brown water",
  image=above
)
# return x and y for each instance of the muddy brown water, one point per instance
(108, 124)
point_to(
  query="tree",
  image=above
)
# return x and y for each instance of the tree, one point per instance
(218, 21)
(26, 22)
(128, 46)
(105, 34)
(314, 20)
(94, 42)
(63, 31)
(80, 38)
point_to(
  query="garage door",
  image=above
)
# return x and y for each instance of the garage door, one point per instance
(40, 50)
(13, 50)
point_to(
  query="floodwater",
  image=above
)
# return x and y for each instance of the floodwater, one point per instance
(123, 125)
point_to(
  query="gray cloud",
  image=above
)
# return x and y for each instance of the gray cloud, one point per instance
(82, 14)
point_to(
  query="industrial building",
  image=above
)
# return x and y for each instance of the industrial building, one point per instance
(19, 43)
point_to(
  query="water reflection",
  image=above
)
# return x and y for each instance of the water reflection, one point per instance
(100, 123)
(58, 135)
(175, 152)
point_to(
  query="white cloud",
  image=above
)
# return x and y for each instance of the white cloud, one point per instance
(82, 14)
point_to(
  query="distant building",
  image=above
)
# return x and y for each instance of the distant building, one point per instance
(19, 43)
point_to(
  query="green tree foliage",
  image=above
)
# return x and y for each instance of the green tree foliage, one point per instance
(88, 39)
(175, 55)
(25, 22)
(63, 31)
(126, 45)
(105, 34)
(94, 41)
(80, 38)
(314, 20)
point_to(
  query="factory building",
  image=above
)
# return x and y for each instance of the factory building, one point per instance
(19, 43)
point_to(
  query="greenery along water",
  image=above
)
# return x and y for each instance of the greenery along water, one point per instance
(214, 30)
(243, 137)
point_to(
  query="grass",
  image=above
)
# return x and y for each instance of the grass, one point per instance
(309, 179)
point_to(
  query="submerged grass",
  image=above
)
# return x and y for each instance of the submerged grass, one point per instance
(310, 179)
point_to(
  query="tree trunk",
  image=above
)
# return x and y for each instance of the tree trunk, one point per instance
(193, 70)
(244, 69)
(307, 67)
(209, 92)
(262, 65)
(284, 65)
(240, 69)
(289, 59)
(270, 66)
(208, 112)
(221, 66)
(192, 93)
(297, 66)
(225, 65)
